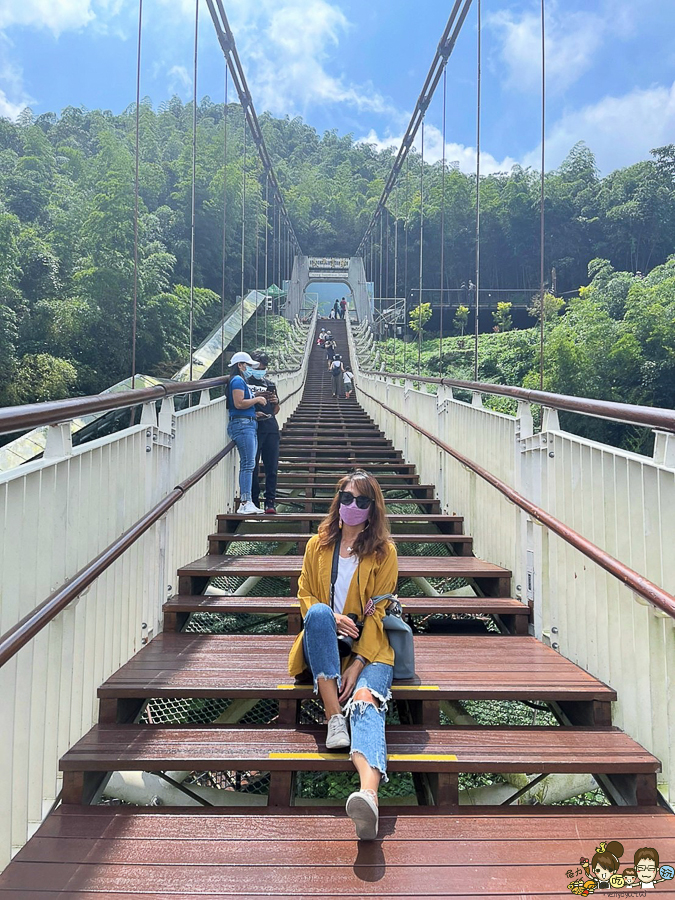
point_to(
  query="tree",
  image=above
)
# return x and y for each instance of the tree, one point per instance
(461, 318)
(502, 316)
(552, 307)
(419, 316)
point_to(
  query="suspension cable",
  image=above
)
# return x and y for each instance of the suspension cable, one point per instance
(440, 343)
(222, 285)
(267, 228)
(243, 237)
(229, 48)
(541, 199)
(194, 184)
(395, 272)
(137, 151)
(405, 263)
(379, 288)
(478, 123)
(445, 47)
(257, 254)
(419, 301)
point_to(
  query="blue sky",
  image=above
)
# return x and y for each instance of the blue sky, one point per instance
(358, 67)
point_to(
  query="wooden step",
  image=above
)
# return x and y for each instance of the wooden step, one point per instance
(450, 750)
(430, 503)
(425, 491)
(124, 853)
(192, 578)
(511, 612)
(218, 543)
(230, 521)
(453, 667)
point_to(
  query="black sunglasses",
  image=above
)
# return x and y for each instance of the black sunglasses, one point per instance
(346, 498)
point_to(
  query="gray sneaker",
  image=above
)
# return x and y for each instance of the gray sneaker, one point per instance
(338, 736)
(361, 807)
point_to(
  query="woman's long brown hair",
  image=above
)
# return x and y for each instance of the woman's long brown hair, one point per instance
(375, 536)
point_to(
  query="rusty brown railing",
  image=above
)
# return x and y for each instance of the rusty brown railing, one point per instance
(14, 639)
(649, 416)
(632, 579)
(33, 415)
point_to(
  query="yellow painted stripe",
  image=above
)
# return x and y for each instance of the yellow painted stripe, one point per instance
(419, 757)
(395, 687)
(394, 757)
(415, 687)
(335, 756)
(295, 604)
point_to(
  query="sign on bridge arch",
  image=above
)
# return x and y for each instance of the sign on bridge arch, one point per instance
(327, 265)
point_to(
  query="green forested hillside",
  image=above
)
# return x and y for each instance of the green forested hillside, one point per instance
(66, 229)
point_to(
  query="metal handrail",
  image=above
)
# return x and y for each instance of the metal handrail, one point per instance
(636, 582)
(650, 416)
(33, 415)
(14, 639)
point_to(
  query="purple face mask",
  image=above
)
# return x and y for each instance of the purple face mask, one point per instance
(352, 515)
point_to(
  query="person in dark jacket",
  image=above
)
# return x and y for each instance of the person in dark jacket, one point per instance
(268, 432)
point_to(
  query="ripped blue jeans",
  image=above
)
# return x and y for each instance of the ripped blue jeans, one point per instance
(319, 644)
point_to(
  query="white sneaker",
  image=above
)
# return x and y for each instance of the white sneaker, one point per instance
(249, 509)
(361, 807)
(338, 736)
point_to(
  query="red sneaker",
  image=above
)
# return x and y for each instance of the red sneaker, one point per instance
(270, 511)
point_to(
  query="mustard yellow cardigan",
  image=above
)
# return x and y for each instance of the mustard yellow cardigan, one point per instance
(370, 579)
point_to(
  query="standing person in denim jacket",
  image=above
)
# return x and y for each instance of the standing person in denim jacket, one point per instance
(268, 432)
(367, 567)
(242, 427)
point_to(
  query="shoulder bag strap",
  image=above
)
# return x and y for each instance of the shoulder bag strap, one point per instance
(334, 570)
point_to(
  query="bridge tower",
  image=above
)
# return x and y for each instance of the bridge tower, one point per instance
(349, 271)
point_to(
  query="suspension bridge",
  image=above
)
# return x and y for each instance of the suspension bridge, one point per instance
(154, 744)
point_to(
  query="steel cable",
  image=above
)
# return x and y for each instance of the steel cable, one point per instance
(478, 123)
(440, 343)
(194, 187)
(243, 233)
(224, 254)
(136, 180)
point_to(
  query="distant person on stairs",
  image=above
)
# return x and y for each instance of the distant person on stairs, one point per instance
(343, 308)
(242, 429)
(336, 309)
(268, 432)
(351, 560)
(337, 372)
(348, 379)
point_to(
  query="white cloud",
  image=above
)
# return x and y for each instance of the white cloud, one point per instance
(55, 15)
(455, 153)
(287, 49)
(619, 130)
(573, 40)
(9, 110)
(180, 80)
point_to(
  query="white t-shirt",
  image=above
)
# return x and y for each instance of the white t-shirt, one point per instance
(346, 568)
(347, 378)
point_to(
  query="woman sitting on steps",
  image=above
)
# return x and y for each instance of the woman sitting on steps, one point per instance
(351, 560)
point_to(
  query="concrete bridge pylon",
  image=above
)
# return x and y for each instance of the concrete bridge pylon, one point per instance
(312, 269)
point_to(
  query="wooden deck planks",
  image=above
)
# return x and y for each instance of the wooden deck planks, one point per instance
(448, 667)
(288, 566)
(101, 854)
(452, 749)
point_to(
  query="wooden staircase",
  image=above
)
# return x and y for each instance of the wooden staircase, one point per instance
(481, 650)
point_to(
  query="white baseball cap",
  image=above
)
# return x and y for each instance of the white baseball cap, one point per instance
(242, 356)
